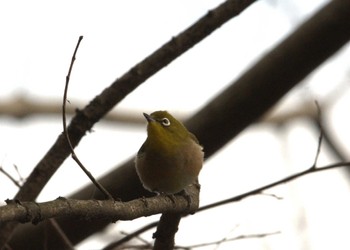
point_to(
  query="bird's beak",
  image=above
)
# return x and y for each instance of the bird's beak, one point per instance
(148, 117)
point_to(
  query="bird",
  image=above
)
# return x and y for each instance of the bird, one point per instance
(171, 157)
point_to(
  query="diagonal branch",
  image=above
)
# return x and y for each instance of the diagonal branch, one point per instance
(265, 83)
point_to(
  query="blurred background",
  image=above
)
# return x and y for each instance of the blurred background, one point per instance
(37, 42)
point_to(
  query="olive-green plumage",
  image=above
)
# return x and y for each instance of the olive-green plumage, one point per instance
(170, 159)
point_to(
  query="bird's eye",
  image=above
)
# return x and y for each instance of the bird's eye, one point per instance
(166, 122)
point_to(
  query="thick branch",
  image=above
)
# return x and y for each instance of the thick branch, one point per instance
(263, 85)
(166, 230)
(94, 209)
(169, 222)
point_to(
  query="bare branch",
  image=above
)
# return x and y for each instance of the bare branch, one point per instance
(62, 235)
(10, 177)
(74, 156)
(93, 209)
(241, 237)
(264, 84)
(130, 236)
(320, 137)
(166, 230)
(169, 221)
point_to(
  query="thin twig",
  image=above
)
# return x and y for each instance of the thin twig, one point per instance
(240, 237)
(320, 137)
(68, 244)
(10, 177)
(74, 156)
(130, 236)
(21, 179)
(65, 96)
(219, 242)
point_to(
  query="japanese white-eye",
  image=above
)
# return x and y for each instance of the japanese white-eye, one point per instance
(171, 158)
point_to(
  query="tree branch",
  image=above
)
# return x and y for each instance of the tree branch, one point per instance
(166, 230)
(225, 240)
(13, 180)
(169, 221)
(64, 239)
(29, 211)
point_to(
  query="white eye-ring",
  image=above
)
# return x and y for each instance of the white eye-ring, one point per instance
(166, 122)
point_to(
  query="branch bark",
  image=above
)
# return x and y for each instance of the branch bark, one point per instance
(33, 212)
(166, 230)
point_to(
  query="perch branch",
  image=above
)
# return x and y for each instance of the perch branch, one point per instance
(29, 211)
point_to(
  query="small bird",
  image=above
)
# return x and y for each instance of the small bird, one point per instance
(171, 158)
